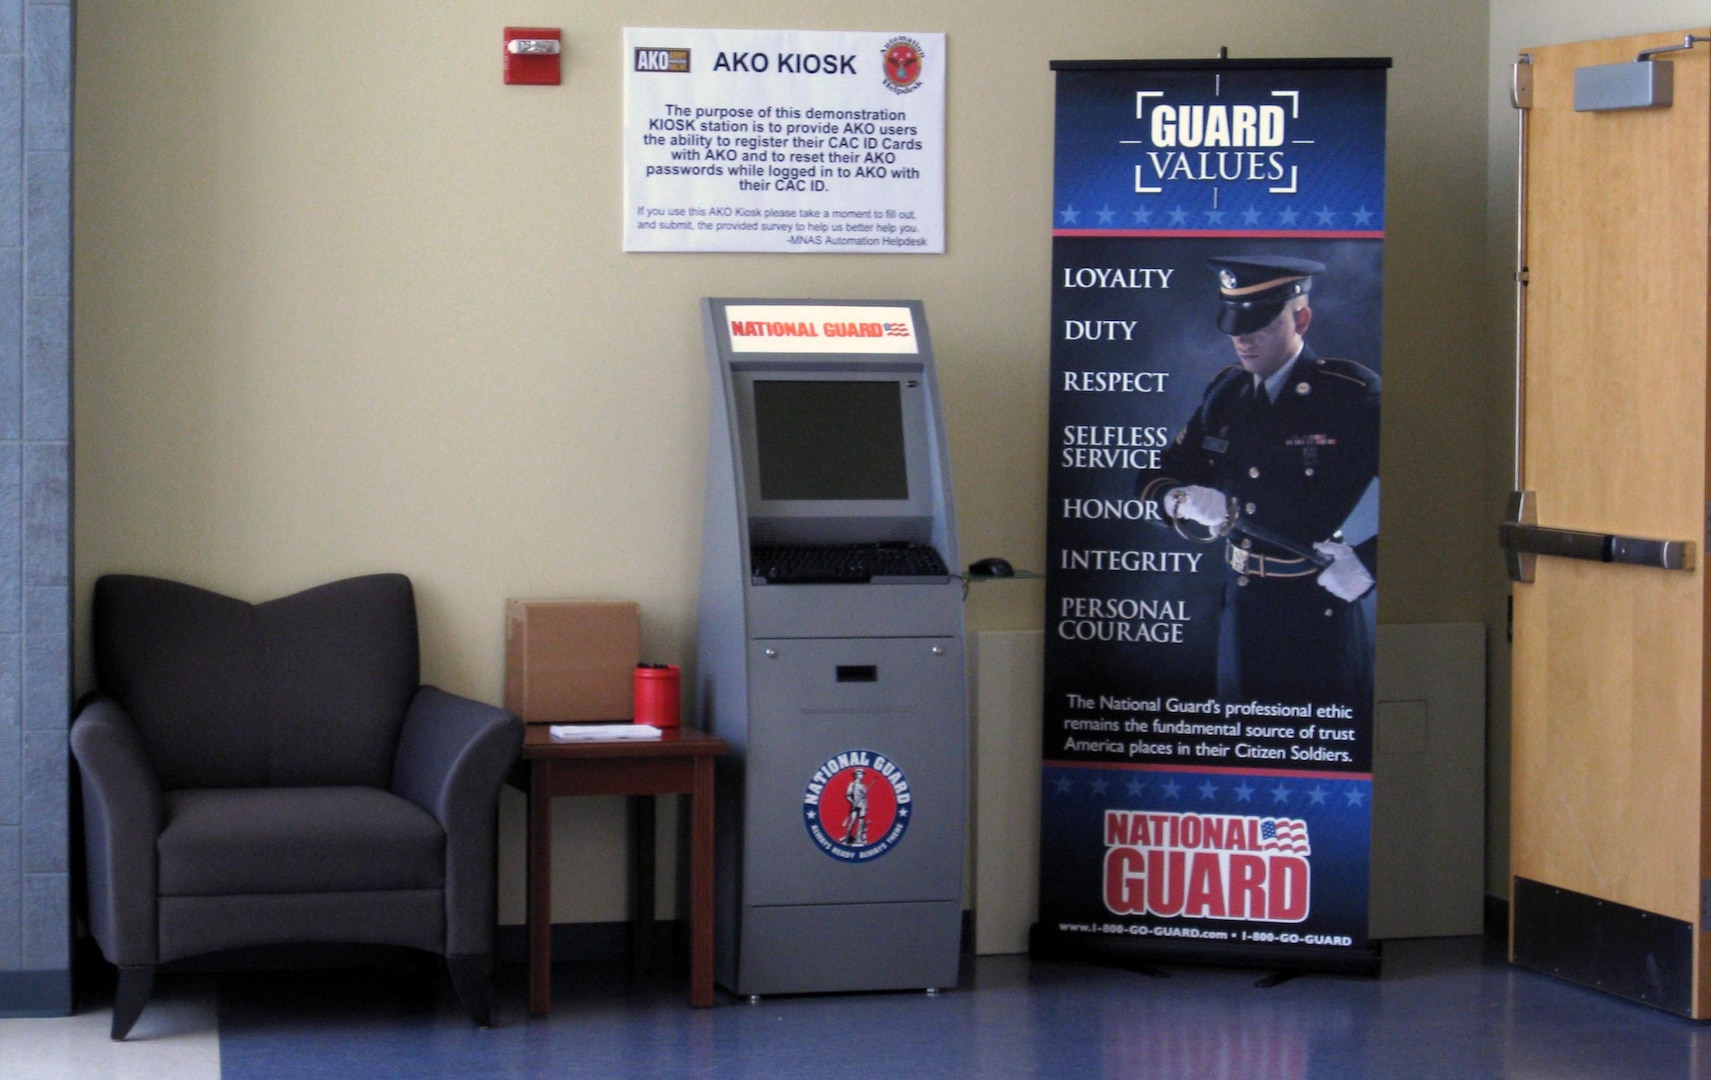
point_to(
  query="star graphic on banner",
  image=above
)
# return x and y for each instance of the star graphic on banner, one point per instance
(1251, 216)
(1172, 789)
(1356, 797)
(1143, 216)
(1244, 793)
(1287, 216)
(1324, 215)
(1318, 795)
(1098, 786)
(1179, 216)
(1106, 215)
(1363, 216)
(1280, 793)
(1070, 214)
(1063, 785)
(1214, 217)
(1207, 790)
(1135, 788)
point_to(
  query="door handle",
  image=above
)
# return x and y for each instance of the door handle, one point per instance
(1523, 539)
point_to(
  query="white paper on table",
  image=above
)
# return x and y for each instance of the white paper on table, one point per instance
(602, 732)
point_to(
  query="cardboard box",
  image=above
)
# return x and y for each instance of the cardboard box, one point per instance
(570, 660)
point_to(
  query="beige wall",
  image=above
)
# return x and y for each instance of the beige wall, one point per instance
(346, 303)
(1517, 25)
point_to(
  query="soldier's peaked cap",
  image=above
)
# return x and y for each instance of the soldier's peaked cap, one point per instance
(1252, 289)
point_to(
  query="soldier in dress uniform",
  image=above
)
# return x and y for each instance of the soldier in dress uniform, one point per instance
(1287, 441)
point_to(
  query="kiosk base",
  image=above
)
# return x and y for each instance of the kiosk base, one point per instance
(832, 948)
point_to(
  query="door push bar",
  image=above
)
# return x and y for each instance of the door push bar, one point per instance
(1523, 540)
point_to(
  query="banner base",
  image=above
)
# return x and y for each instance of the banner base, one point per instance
(1051, 945)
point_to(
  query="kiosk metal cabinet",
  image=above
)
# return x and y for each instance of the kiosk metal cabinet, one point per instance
(841, 690)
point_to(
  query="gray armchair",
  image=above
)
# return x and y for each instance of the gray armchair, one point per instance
(272, 773)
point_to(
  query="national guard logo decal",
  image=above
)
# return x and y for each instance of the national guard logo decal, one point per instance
(902, 64)
(857, 806)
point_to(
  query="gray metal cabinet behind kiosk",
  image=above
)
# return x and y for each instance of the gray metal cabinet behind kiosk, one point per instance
(831, 650)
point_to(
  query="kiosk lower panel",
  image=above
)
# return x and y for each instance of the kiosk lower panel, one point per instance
(817, 948)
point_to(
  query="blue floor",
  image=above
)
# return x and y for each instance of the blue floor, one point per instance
(1444, 1008)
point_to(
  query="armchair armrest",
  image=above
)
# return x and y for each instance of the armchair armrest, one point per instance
(453, 754)
(123, 813)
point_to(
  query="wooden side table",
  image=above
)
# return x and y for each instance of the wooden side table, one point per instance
(679, 762)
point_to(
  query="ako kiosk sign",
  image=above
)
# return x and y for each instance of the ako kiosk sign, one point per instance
(1212, 527)
(784, 141)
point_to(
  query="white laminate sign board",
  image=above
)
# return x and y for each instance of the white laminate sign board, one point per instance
(784, 141)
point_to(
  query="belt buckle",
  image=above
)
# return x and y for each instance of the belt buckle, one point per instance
(1238, 559)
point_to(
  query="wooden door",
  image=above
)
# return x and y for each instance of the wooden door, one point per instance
(1609, 797)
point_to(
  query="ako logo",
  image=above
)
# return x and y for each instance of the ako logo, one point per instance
(902, 65)
(670, 60)
(857, 806)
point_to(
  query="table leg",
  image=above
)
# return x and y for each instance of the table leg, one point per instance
(642, 848)
(540, 875)
(701, 887)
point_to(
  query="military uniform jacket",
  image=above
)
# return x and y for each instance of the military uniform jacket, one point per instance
(1296, 466)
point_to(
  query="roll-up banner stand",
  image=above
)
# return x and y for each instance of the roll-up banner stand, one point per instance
(1218, 231)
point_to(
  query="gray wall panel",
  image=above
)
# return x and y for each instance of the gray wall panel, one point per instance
(36, 51)
(47, 516)
(47, 368)
(47, 77)
(11, 900)
(47, 922)
(45, 784)
(47, 222)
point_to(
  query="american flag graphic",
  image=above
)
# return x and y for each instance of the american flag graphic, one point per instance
(896, 329)
(1284, 834)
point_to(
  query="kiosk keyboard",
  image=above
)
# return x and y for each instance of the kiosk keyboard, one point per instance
(824, 564)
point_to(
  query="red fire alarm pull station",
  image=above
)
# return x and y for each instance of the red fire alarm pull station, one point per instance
(532, 55)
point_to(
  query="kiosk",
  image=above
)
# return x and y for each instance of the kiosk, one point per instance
(831, 650)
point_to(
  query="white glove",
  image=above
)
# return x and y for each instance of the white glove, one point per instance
(1201, 505)
(1346, 579)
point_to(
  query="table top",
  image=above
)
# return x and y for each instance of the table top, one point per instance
(672, 742)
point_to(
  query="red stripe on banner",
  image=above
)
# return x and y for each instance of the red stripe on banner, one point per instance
(1225, 770)
(1228, 234)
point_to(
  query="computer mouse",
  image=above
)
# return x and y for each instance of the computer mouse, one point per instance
(993, 567)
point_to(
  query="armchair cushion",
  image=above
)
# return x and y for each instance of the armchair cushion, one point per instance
(183, 662)
(254, 841)
(306, 689)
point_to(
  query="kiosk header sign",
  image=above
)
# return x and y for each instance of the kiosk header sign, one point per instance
(811, 328)
(1212, 528)
(784, 141)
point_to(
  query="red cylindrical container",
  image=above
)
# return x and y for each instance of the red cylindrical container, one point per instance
(658, 691)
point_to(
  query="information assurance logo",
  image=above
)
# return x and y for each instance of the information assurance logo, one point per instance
(857, 806)
(902, 65)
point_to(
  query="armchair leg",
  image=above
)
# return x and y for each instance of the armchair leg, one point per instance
(135, 986)
(470, 982)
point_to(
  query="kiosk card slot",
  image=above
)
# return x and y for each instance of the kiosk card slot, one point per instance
(858, 673)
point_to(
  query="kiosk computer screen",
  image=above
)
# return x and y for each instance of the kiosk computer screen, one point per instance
(836, 456)
(830, 440)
